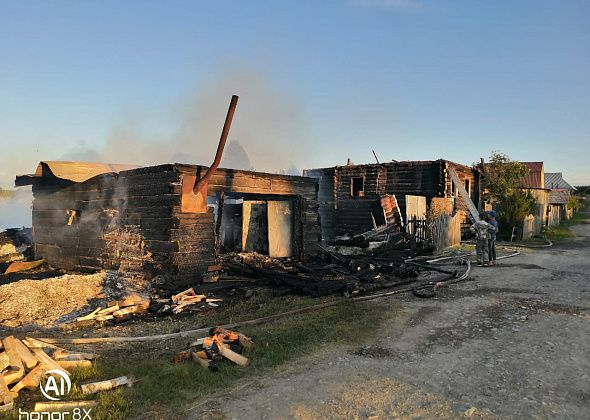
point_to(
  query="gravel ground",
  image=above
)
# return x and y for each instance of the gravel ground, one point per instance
(512, 343)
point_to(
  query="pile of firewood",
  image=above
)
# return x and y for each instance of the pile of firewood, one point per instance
(118, 309)
(220, 344)
(24, 363)
(188, 297)
(121, 310)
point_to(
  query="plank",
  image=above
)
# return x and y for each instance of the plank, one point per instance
(31, 380)
(47, 361)
(28, 359)
(6, 397)
(15, 362)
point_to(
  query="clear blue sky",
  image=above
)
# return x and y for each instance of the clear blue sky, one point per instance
(319, 81)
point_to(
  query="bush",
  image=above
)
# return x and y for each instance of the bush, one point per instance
(573, 203)
(501, 186)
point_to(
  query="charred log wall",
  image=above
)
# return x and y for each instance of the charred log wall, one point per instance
(422, 178)
(327, 198)
(342, 211)
(118, 221)
(132, 221)
(302, 190)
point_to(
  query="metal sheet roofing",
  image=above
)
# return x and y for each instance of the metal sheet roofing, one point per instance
(535, 177)
(558, 197)
(555, 181)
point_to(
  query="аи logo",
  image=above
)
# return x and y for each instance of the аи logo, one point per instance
(57, 385)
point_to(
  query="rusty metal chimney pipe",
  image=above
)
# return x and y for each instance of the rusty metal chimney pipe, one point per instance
(224, 133)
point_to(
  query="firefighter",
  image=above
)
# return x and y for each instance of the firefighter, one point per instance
(482, 235)
(492, 241)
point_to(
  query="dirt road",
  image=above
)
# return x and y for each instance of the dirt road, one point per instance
(512, 343)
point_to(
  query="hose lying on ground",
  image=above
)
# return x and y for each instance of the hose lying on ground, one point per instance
(202, 332)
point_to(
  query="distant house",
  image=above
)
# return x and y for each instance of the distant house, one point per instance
(560, 191)
(555, 182)
(534, 182)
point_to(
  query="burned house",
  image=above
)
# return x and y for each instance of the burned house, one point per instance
(350, 196)
(147, 221)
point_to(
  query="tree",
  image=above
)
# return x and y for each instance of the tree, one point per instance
(573, 203)
(501, 176)
(501, 183)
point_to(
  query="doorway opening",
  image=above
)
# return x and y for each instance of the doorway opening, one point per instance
(261, 224)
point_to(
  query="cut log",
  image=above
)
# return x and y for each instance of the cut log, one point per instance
(33, 343)
(12, 374)
(131, 300)
(14, 360)
(109, 310)
(6, 397)
(28, 359)
(31, 379)
(245, 341)
(195, 298)
(128, 311)
(205, 363)
(64, 405)
(90, 316)
(107, 385)
(64, 355)
(238, 359)
(4, 361)
(182, 306)
(187, 292)
(74, 364)
(47, 361)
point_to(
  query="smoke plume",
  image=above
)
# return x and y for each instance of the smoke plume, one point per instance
(267, 134)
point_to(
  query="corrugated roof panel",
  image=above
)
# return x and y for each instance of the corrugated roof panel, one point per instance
(559, 197)
(535, 177)
(555, 181)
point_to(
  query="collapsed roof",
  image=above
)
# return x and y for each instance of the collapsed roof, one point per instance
(72, 172)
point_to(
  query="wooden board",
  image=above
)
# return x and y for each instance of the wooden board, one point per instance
(280, 228)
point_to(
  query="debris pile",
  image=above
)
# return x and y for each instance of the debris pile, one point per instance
(118, 309)
(136, 305)
(24, 363)
(220, 344)
(183, 300)
(340, 269)
(16, 251)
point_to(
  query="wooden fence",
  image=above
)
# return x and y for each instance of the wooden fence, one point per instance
(445, 231)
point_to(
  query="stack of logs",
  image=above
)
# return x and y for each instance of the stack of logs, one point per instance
(24, 363)
(188, 297)
(220, 344)
(132, 305)
(119, 309)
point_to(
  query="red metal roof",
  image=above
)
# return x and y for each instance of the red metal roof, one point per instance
(535, 177)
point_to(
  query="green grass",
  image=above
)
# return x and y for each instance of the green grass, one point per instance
(563, 231)
(165, 389)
